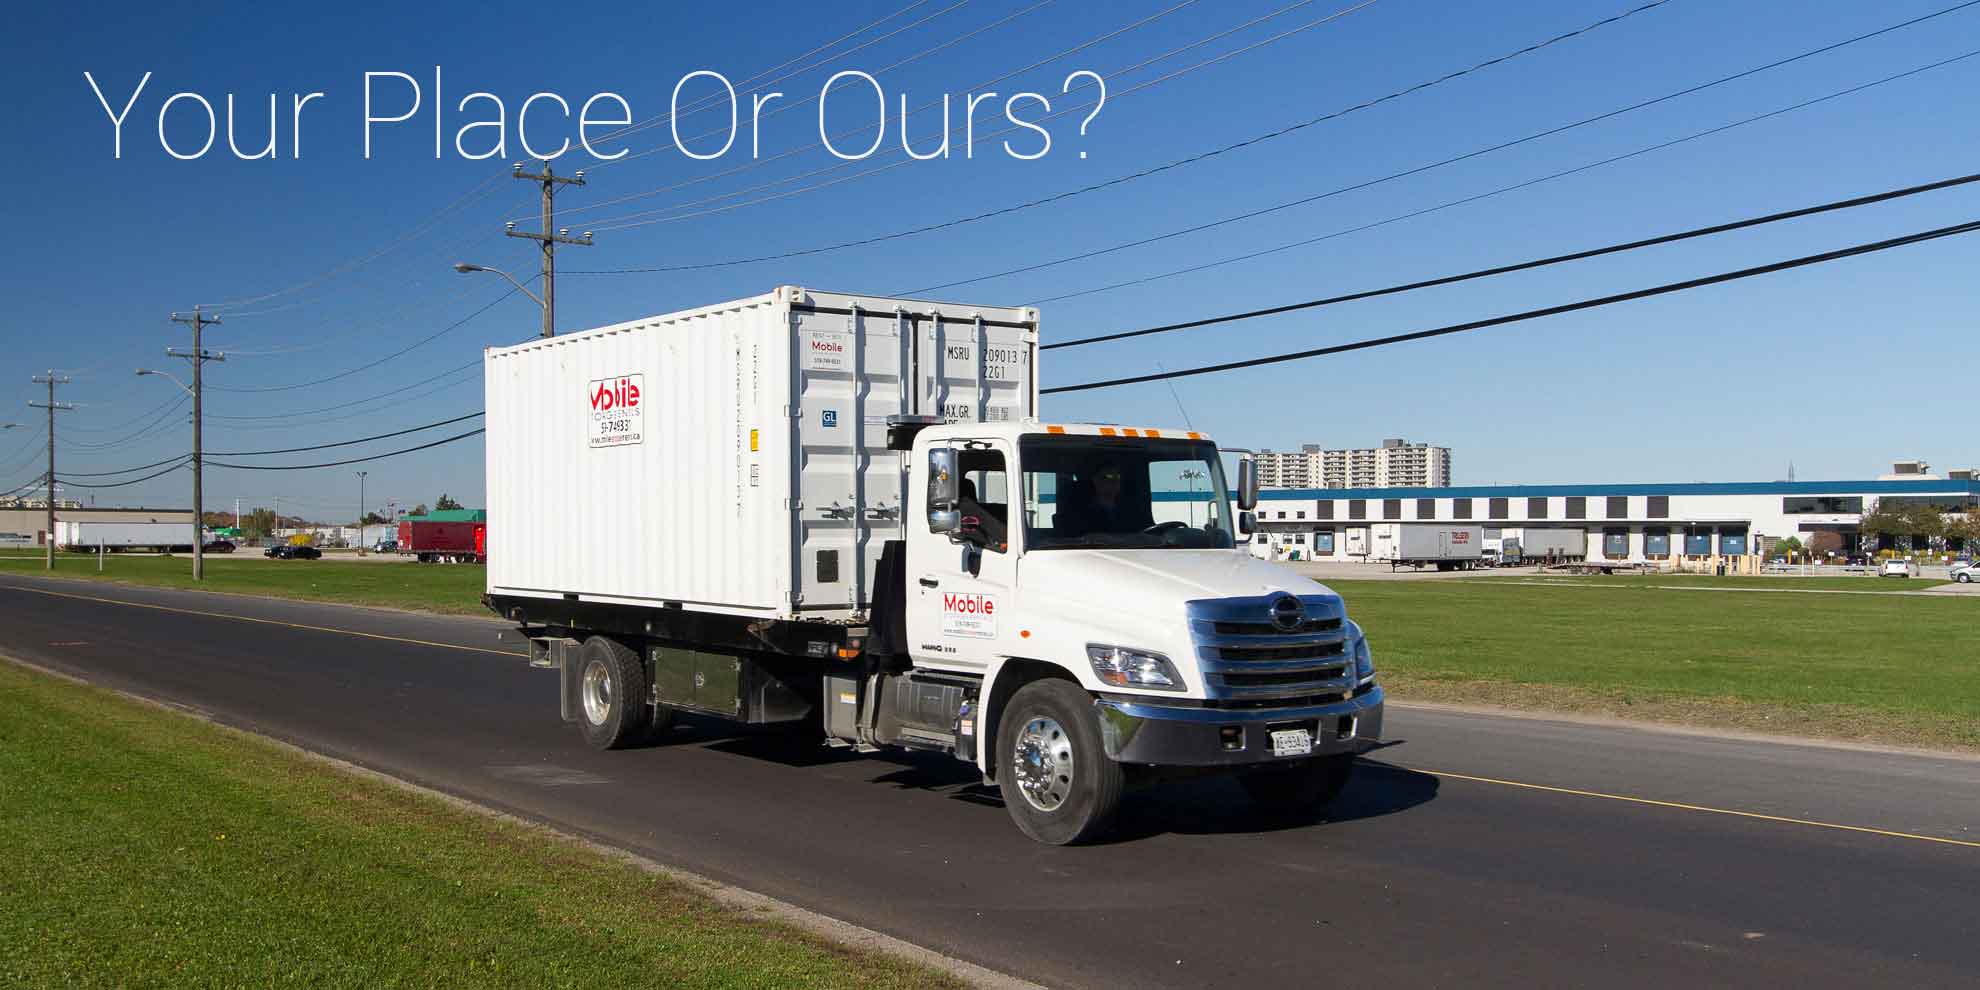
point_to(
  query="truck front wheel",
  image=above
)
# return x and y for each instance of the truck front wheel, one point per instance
(1299, 787)
(612, 707)
(1058, 782)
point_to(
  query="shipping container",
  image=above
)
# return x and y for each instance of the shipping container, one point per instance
(732, 458)
(1533, 543)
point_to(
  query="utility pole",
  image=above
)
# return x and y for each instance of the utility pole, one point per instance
(51, 379)
(198, 356)
(361, 475)
(550, 237)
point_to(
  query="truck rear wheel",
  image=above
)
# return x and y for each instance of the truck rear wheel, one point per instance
(1058, 782)
(612, 689)
(1299, 787)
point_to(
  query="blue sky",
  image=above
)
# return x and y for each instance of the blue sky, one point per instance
(1838, 369)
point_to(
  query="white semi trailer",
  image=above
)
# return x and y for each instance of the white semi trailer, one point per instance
(843, 512)
(1445, 546)
(160, 536)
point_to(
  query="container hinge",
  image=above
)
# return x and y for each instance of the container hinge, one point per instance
(794, 503)
(794, 597)
(792, 412)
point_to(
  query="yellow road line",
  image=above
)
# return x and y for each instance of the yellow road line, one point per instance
(265, 622)
(1694, 807)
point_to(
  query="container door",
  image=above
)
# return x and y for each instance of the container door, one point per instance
(969, 371)
(848, 371)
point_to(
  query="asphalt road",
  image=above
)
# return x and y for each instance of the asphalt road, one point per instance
(1475, 851)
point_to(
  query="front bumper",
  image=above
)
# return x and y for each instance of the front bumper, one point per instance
(1148, 732)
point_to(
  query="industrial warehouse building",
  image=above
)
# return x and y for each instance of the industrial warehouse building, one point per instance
(1640, 523)
(28, 526)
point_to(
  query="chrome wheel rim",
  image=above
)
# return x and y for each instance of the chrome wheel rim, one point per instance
(1042, 762)
(597, 692)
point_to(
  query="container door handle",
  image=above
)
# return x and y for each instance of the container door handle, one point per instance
(929, 582)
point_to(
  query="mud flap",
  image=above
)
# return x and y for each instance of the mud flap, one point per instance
(561, 652)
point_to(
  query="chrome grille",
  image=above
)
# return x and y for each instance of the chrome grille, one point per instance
(1246, 655)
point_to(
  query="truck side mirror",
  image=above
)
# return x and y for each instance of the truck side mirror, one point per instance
(1247, 523)
(944, 491)
(1247, 484)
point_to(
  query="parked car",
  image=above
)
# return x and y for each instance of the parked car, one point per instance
(1902, 567)
(289, 551)
(386, 546)
(1963, 573)
(219, 546)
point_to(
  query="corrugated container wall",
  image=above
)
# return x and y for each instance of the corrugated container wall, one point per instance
(731, 458)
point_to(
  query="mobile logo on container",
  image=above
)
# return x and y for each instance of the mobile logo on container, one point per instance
(615, 414)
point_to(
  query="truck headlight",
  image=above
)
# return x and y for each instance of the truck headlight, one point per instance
(1121, 666)
(1364, 661)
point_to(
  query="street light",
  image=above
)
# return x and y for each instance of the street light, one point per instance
(1191, 475)
(464, 268)
(183, 387)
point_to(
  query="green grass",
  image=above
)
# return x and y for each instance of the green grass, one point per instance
(1897, 668)
(1892, 667)
(451, 588)
(141, 847)
(1758, 582)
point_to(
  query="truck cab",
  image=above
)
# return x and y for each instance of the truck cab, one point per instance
(1092, 581)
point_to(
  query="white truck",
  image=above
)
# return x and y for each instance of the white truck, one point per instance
(1445, 546)
(161, 536)
(841, 512)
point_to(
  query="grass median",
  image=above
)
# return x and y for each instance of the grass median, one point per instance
(447, 588)
(142, 847)
(1889, 668)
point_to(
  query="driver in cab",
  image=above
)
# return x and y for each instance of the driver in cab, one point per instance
(1107, 512)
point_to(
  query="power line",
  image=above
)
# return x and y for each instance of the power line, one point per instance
(160, 420)
(354, 460)
(347, 443)
(1684, 235)
(401, 352)
(711, 101)
(806, 101)
(634, 219)
(1260, 138)
(122, 484)
(1489, 149)
(355, 402)
(142, 467)
(974, 87)
(1813, 259)
(1695, 135)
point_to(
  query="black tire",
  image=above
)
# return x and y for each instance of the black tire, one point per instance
(612, 709)
(1299, 788)
(1963, 578)
(1077, 806)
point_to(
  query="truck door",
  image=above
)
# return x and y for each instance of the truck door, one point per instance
(959, 590)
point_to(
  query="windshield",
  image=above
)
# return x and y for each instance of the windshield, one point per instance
(1123, 493)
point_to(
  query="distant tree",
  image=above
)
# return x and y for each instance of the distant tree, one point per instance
(374, 519)
(445, 503)
(260, 523)
(1790, 548)
(418, 510)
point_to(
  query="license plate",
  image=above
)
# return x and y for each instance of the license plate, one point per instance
(1292, 742)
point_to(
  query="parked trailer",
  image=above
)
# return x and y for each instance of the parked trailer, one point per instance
(442, 542)
(1537, 544)
(164, 537)
(808, 508)
(1445, 546)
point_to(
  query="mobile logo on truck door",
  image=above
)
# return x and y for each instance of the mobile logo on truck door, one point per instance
(615, 410)
(974, 616)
